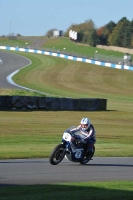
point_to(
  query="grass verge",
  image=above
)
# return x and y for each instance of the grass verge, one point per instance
(63, 77)
(33, 134)
(72, 191)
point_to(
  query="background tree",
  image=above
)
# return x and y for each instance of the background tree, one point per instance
(108, 31)
(84, 30)
(115, 34)
(50, 32)
(18, 34)
(104, 32)
(120, 34)
(80, 36)
(101, 36)
(127, 36)
(93, 39)
(131, 33)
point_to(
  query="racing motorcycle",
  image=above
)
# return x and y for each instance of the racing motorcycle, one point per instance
(72, 148)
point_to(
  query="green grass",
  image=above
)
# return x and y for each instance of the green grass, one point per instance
(58, 44)
(73, 191)
(61, 77)
(5, 41)
(17, 92)
(29, 134)
(70, 47)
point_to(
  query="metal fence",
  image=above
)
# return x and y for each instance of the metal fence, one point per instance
(96, 56)
(113, 59)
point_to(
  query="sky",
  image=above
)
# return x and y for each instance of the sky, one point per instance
(36, 17)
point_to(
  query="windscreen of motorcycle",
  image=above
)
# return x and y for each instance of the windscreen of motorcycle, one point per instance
(66, 136)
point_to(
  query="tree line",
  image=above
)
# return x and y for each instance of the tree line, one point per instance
(113, 34)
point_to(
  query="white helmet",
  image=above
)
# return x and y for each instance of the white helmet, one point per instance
(85, 123)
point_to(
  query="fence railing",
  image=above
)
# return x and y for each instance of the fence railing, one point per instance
(96, 56)
(112, 59)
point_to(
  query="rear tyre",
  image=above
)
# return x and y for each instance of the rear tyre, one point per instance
(87, 158)
(57, 154)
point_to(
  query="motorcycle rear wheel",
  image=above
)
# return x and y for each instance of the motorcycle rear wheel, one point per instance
(57, 154)
(88, 158)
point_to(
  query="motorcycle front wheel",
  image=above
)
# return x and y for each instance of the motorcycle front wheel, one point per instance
(57, 154)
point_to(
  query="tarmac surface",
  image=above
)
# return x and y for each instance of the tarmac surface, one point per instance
(10, 63)
(40, 171)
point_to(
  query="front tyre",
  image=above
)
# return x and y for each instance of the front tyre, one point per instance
(57, 154)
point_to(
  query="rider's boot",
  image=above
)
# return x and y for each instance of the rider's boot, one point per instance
(88, 154)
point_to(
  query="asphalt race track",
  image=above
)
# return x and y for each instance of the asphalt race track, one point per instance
(40, 171)
(10, 63)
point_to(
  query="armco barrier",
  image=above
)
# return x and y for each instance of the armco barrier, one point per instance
(51, 103)
(67, 57)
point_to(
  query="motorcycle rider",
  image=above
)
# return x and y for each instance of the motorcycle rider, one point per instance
(88, 132)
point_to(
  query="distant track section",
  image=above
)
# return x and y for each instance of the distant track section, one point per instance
(10, 63)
